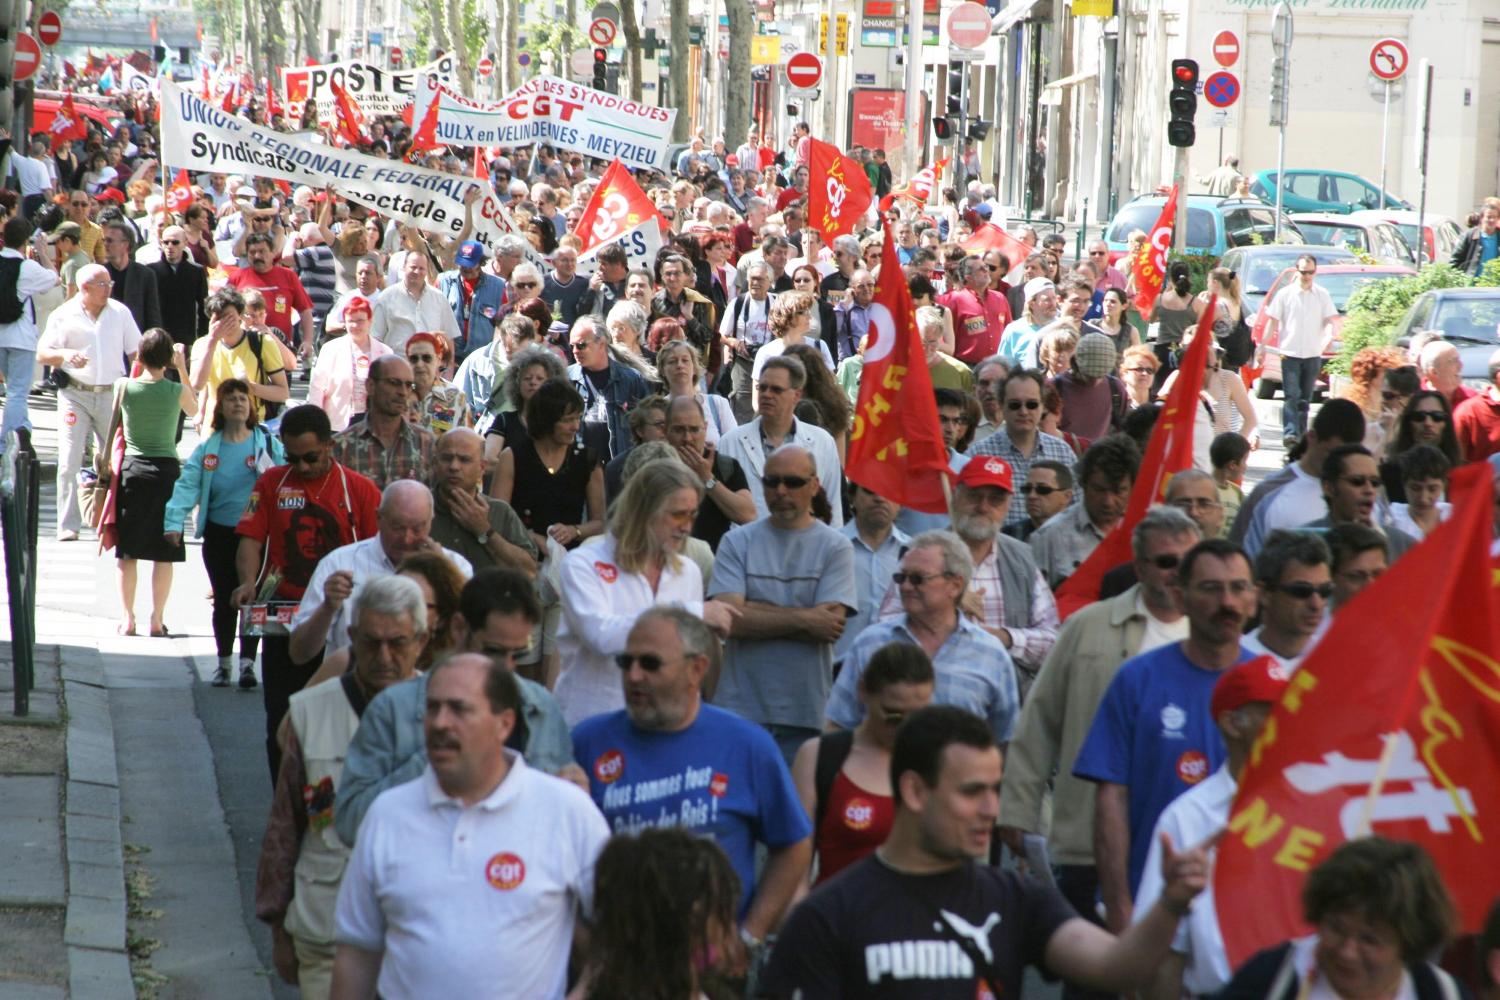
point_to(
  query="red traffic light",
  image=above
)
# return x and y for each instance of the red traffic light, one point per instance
(1184, 74)
(601, 55)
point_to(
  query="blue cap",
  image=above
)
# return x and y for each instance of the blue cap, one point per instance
(470, 253)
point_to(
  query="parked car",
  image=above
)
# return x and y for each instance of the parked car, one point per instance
(1371, 236)
(1468, 317)
(1214, 224)
(1258, 266)
(1341, 281)
(1332, 191)
(1440, 234)
(44, 109)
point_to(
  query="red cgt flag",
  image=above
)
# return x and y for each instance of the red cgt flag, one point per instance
(1169, 451)
(347, 116)
(425, 137)
(1390, 727)
(618, 205)
(919, 188)
(180, 194)
(896, 448)
(991, 237)
(1150, 262)
(68, 124)
(838, 192)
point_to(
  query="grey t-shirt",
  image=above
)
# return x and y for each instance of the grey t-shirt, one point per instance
(782, 681)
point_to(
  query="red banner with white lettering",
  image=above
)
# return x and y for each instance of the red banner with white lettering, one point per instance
(896, 448)
(919, 188)
(618, 205)
(1149, 265)
(838, 192)
(1169, 451)
(1391, 727)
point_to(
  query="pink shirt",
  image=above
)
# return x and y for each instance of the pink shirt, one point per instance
(338, 379)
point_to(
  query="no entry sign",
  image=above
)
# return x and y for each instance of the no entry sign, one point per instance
(49, 28)
(804, 70)
(28, 57)
(969, 25)
(1226, 48)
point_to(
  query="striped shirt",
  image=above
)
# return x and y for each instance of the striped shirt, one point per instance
(1047, 446)
(973, 670)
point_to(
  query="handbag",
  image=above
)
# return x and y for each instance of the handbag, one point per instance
(93, 488)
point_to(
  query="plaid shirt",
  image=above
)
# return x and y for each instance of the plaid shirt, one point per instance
(1047, 446)
(1029, 645)
(1063, 543)
(361, 450)
(973, 673)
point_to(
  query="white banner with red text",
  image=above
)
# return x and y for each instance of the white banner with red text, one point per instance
(377, 91)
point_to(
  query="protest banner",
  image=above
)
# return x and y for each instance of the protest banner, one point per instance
(379, 91)
(555, 111)
(641, 244)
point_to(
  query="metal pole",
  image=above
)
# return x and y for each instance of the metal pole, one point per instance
(1385, 132)
(959, 179)
(915, 122)
(830, 95)
(1280, 176)
(1179, 181)
(1424, 71)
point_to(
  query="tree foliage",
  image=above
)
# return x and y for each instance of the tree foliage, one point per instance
(1375, 310)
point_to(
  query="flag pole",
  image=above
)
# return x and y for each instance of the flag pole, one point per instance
(1377, 784)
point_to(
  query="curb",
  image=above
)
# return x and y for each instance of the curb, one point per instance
(98, 965)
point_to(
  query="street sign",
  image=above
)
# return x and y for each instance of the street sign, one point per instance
(28, 57)
(1389, 59)
(1226, 48)
(395, 55)
(1222, 89)
(606, 12)
(601, 32)
(969, 25)
(581, 62)
(804, 70)
(1379, 89)
(49, 28)
(523, 59)
(486, 68)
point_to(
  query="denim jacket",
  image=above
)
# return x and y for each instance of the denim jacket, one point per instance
(196, 482)
(485, 308)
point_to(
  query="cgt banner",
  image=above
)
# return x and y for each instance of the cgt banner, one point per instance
(377, 91)
(197, 136)
(641, 244)
(552, 110)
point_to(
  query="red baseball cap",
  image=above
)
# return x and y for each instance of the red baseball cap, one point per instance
(111, 194)
(1260, 679)
(987, 470)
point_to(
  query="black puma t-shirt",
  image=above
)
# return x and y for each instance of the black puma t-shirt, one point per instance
(873, 932)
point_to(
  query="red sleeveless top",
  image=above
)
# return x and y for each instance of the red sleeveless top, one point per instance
(854, 824)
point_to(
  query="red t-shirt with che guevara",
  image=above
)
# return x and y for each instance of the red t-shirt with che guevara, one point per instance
(304, 520)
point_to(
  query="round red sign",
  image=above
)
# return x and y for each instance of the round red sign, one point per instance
(804, 70)
(28, 57)
(49, 28)
(1226, 48)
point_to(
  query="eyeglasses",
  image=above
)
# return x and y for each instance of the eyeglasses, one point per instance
(790, 482)
(421, 358)
(649, 662)
(1371, 481)
(1196, 503)
(1436, 416)
(398, 383)
(171, 243)
(306, 458)
(915, 579)
(1042, 491)
(1142, 370)
(775, 390)
(1301, 590)
(524, 284)
(1301, 271)
(1016, 404)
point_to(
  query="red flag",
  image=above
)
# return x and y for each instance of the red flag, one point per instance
(896, 448)
(919, 188)
(272, 107)
(618, 205)
(208, 91)
(1150, 262)
(180, 194)
(481, 166)
(991, 237)
(68, 124)
(1390, 727)
(347, 116)
(295, 83)
(838, 191)
(1169, 451)
(425, 137)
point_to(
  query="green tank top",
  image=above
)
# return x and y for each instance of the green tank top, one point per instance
(149, 412)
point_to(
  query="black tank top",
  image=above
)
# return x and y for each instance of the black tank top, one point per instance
(544, 498)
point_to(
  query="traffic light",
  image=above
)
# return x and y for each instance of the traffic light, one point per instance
(601, 68)
(1182, 102)
(955, 88)
(942, 127)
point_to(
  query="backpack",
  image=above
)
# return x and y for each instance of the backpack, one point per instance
(11, 306)
(255, 339)
(833, 750)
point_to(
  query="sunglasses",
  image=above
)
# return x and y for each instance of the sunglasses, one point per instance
(1436, 416)
(1166, 561)
(171, 243)
(649, 662)
(524, 284)
(306, 458)
(915, 579)
(775, 390)
(421, 358)
(790, 482)
(1371, 481)
(1143, 370)
(1302, 590)
(1300, 271)
(398, 383)
(1017, 404)
(1039, 490)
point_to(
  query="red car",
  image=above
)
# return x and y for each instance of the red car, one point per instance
(1341, 281)
(44, 109)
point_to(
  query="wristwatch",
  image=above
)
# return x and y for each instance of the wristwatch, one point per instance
(709, 484)
(483, 538)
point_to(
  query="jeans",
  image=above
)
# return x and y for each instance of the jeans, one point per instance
(1299, 379)
(789, 739)
(18, 365)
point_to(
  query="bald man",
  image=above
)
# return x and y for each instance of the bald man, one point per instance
(486, 531)
(182, 288)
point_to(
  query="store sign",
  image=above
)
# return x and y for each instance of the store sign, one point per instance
(877, 119)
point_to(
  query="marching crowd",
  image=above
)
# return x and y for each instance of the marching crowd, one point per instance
(557, 567)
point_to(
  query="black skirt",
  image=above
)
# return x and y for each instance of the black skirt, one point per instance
(140, 510)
